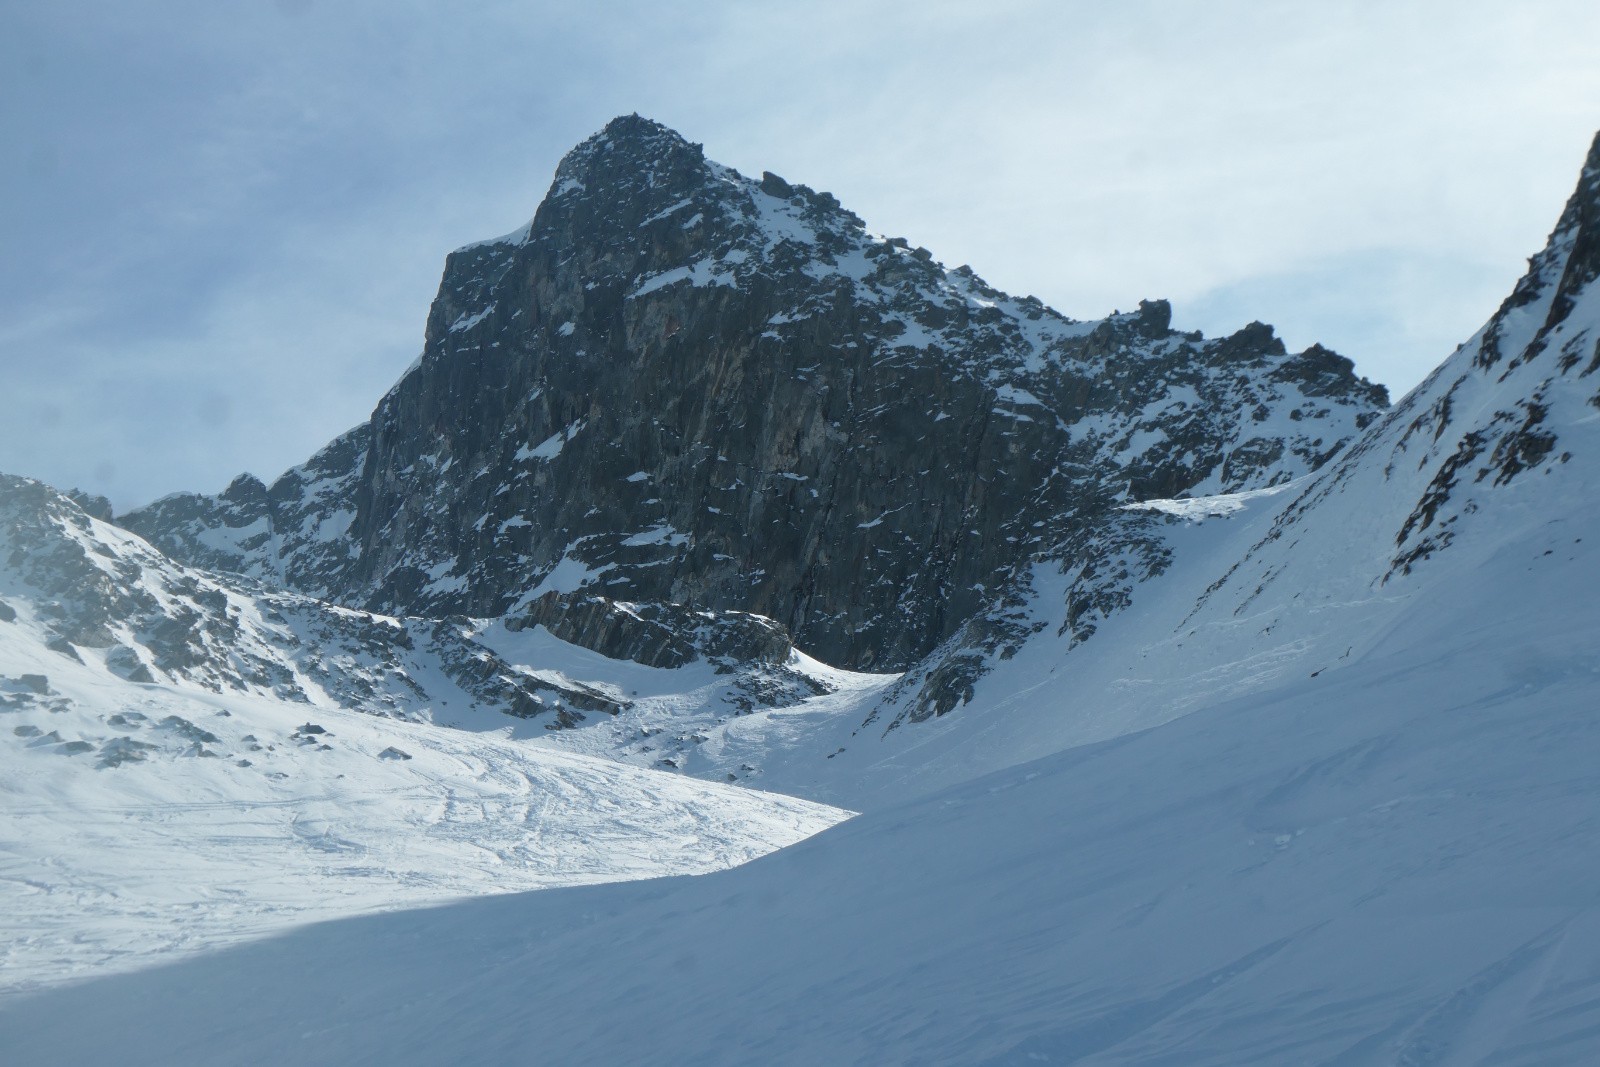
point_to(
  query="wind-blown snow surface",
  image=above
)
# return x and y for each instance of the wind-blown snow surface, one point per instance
(142, 822)
(189, 760)
(1393, 862)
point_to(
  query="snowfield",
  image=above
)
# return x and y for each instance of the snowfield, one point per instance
(143, 821)
(1395, 861)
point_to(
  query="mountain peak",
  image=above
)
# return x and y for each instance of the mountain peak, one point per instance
(1581, 219)
(628, 143)
(635, 127)
(1558, 275)
(683, 385)
(1576, 238)
(1589, 180)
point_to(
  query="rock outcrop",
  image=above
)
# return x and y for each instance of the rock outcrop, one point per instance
(98, 594)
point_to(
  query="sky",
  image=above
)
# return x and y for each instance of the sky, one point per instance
(222, 224)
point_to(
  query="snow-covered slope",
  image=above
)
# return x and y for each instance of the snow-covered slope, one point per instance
(181, 766)
(1391, 863)
(142, 821)
(106, 597)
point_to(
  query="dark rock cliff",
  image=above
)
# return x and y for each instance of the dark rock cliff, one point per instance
(680, 385)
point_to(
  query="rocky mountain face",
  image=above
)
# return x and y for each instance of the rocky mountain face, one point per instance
(681, 386)
(292, 535)
(90, 592)
(101, 597)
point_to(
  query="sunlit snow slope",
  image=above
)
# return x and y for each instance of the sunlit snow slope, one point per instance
(144, 819)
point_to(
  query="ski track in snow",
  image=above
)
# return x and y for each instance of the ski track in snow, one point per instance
(111, 868)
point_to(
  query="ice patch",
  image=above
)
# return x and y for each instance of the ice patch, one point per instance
(466, 322)
(699, 274)
(551, 446)
(656, 535)
(1198, 509)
